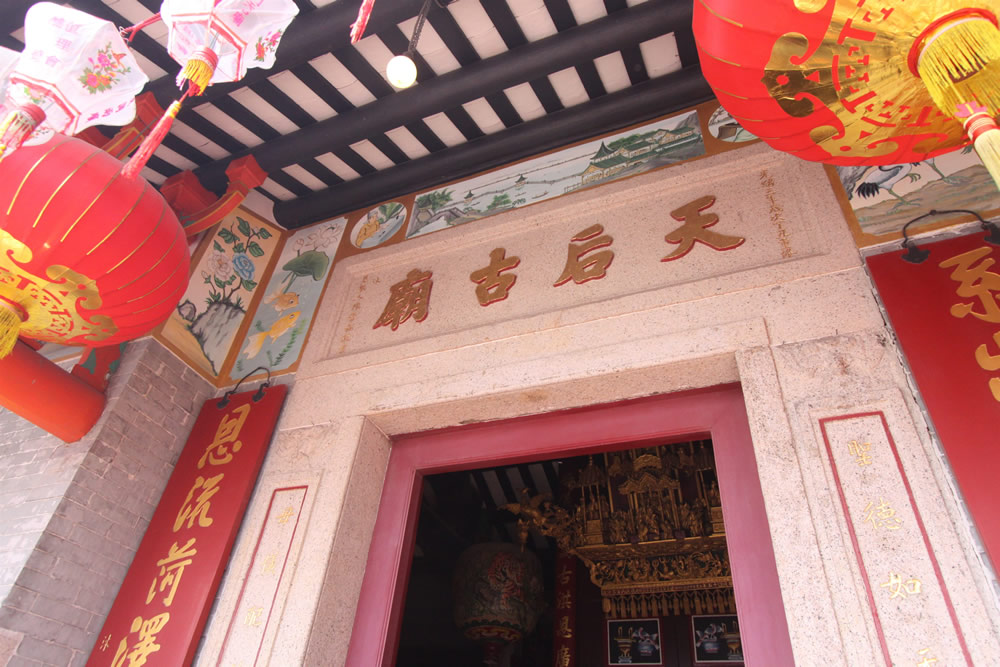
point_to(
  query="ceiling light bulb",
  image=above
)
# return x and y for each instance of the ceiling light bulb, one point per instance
(401, 72)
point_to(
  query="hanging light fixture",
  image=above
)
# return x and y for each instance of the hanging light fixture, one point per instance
(401, 70)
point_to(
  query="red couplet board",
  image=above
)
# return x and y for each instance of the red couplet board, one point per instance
(161, 609)
(946, 313)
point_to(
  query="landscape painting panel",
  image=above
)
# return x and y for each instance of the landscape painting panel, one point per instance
(593, 163)
(204, 324)
(884, 198)
(282, 318)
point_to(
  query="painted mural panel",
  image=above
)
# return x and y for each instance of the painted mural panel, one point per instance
(282, 319)
(879, 200)
(378, 225)
(592, 163)
(206, 321)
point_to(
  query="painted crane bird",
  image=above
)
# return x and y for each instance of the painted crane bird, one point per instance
(867, 181)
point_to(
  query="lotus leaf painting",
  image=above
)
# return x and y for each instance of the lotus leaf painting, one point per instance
(283, 317)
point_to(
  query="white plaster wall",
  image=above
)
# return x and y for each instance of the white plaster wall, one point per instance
(790, 315)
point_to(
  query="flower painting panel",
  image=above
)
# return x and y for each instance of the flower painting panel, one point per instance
(717, 640)
(634, 642)
(617, 156)
(205, 323)
(279, 325)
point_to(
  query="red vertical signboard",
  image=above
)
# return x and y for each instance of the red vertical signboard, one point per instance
(161, 609)
(946, 314)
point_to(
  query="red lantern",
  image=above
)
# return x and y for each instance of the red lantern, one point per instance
(87, 257)
(848, 83)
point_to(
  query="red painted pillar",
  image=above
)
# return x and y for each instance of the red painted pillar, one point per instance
(47, 396)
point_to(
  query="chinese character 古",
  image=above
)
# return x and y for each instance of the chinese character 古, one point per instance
(490, 285)
(198, 507)
(595, 266)
(145, 645)
(695, 228)
(410, 296)
(171, 569)
(218, 453)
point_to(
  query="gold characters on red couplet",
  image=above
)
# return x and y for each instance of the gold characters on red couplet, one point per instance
(171, 570)
(971, 270)
(138, 653)
(409, 297)
(226, 441)
(491, 284)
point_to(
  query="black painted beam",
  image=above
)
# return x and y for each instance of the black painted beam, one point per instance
(537, 59)
(636, 104)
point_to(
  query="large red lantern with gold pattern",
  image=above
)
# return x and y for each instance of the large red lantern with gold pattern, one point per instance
(87, 257)
(857, 83)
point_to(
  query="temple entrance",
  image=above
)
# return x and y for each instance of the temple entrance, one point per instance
(617, 557)
(651, 518)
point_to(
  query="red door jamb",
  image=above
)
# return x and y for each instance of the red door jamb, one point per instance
(717, 412)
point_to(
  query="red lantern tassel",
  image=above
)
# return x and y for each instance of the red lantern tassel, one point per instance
(151, 142)
(359, 25)
(11, 318)
(20, 122)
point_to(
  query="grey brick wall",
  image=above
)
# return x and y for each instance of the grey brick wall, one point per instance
(73, 515)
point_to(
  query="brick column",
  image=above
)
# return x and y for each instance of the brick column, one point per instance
(73, 515)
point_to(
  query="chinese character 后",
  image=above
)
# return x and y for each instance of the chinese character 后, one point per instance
(564, 657)
(882, 516)
(927, 660)
(219, 452)
(899, 588)
(410, 296)
(171, 569)
(197, 508)
(564, 630)
(976, 281)
(146, 643)
(860, 452)
(564, 600)
(490, 285)
(285, 515)
(253, 617)
(594, 267)
(270, 563)
(695, 228)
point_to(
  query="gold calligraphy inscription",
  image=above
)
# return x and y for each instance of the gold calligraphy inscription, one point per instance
(860, 452)
(253, 617)
(563, 630)
(270, 563)
(971, 270)
(353, 315)
(882, 515)
(563, 657)
(582, 269)
(138, 653)
(197, 507)
(409, 297)
(776, 212)
(53, 303)
(695, 229)
(927, 660)
(226, 443)
(564, 600)
(898, 588)
(285, 515)
(491, 284)
(105, 642)
(564, 575)
(171, 570)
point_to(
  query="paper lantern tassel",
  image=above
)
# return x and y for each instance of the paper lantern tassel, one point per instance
(151, 142)
(19, 123)
(985, 135)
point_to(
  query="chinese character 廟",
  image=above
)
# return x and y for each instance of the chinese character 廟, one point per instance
(410, 296)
